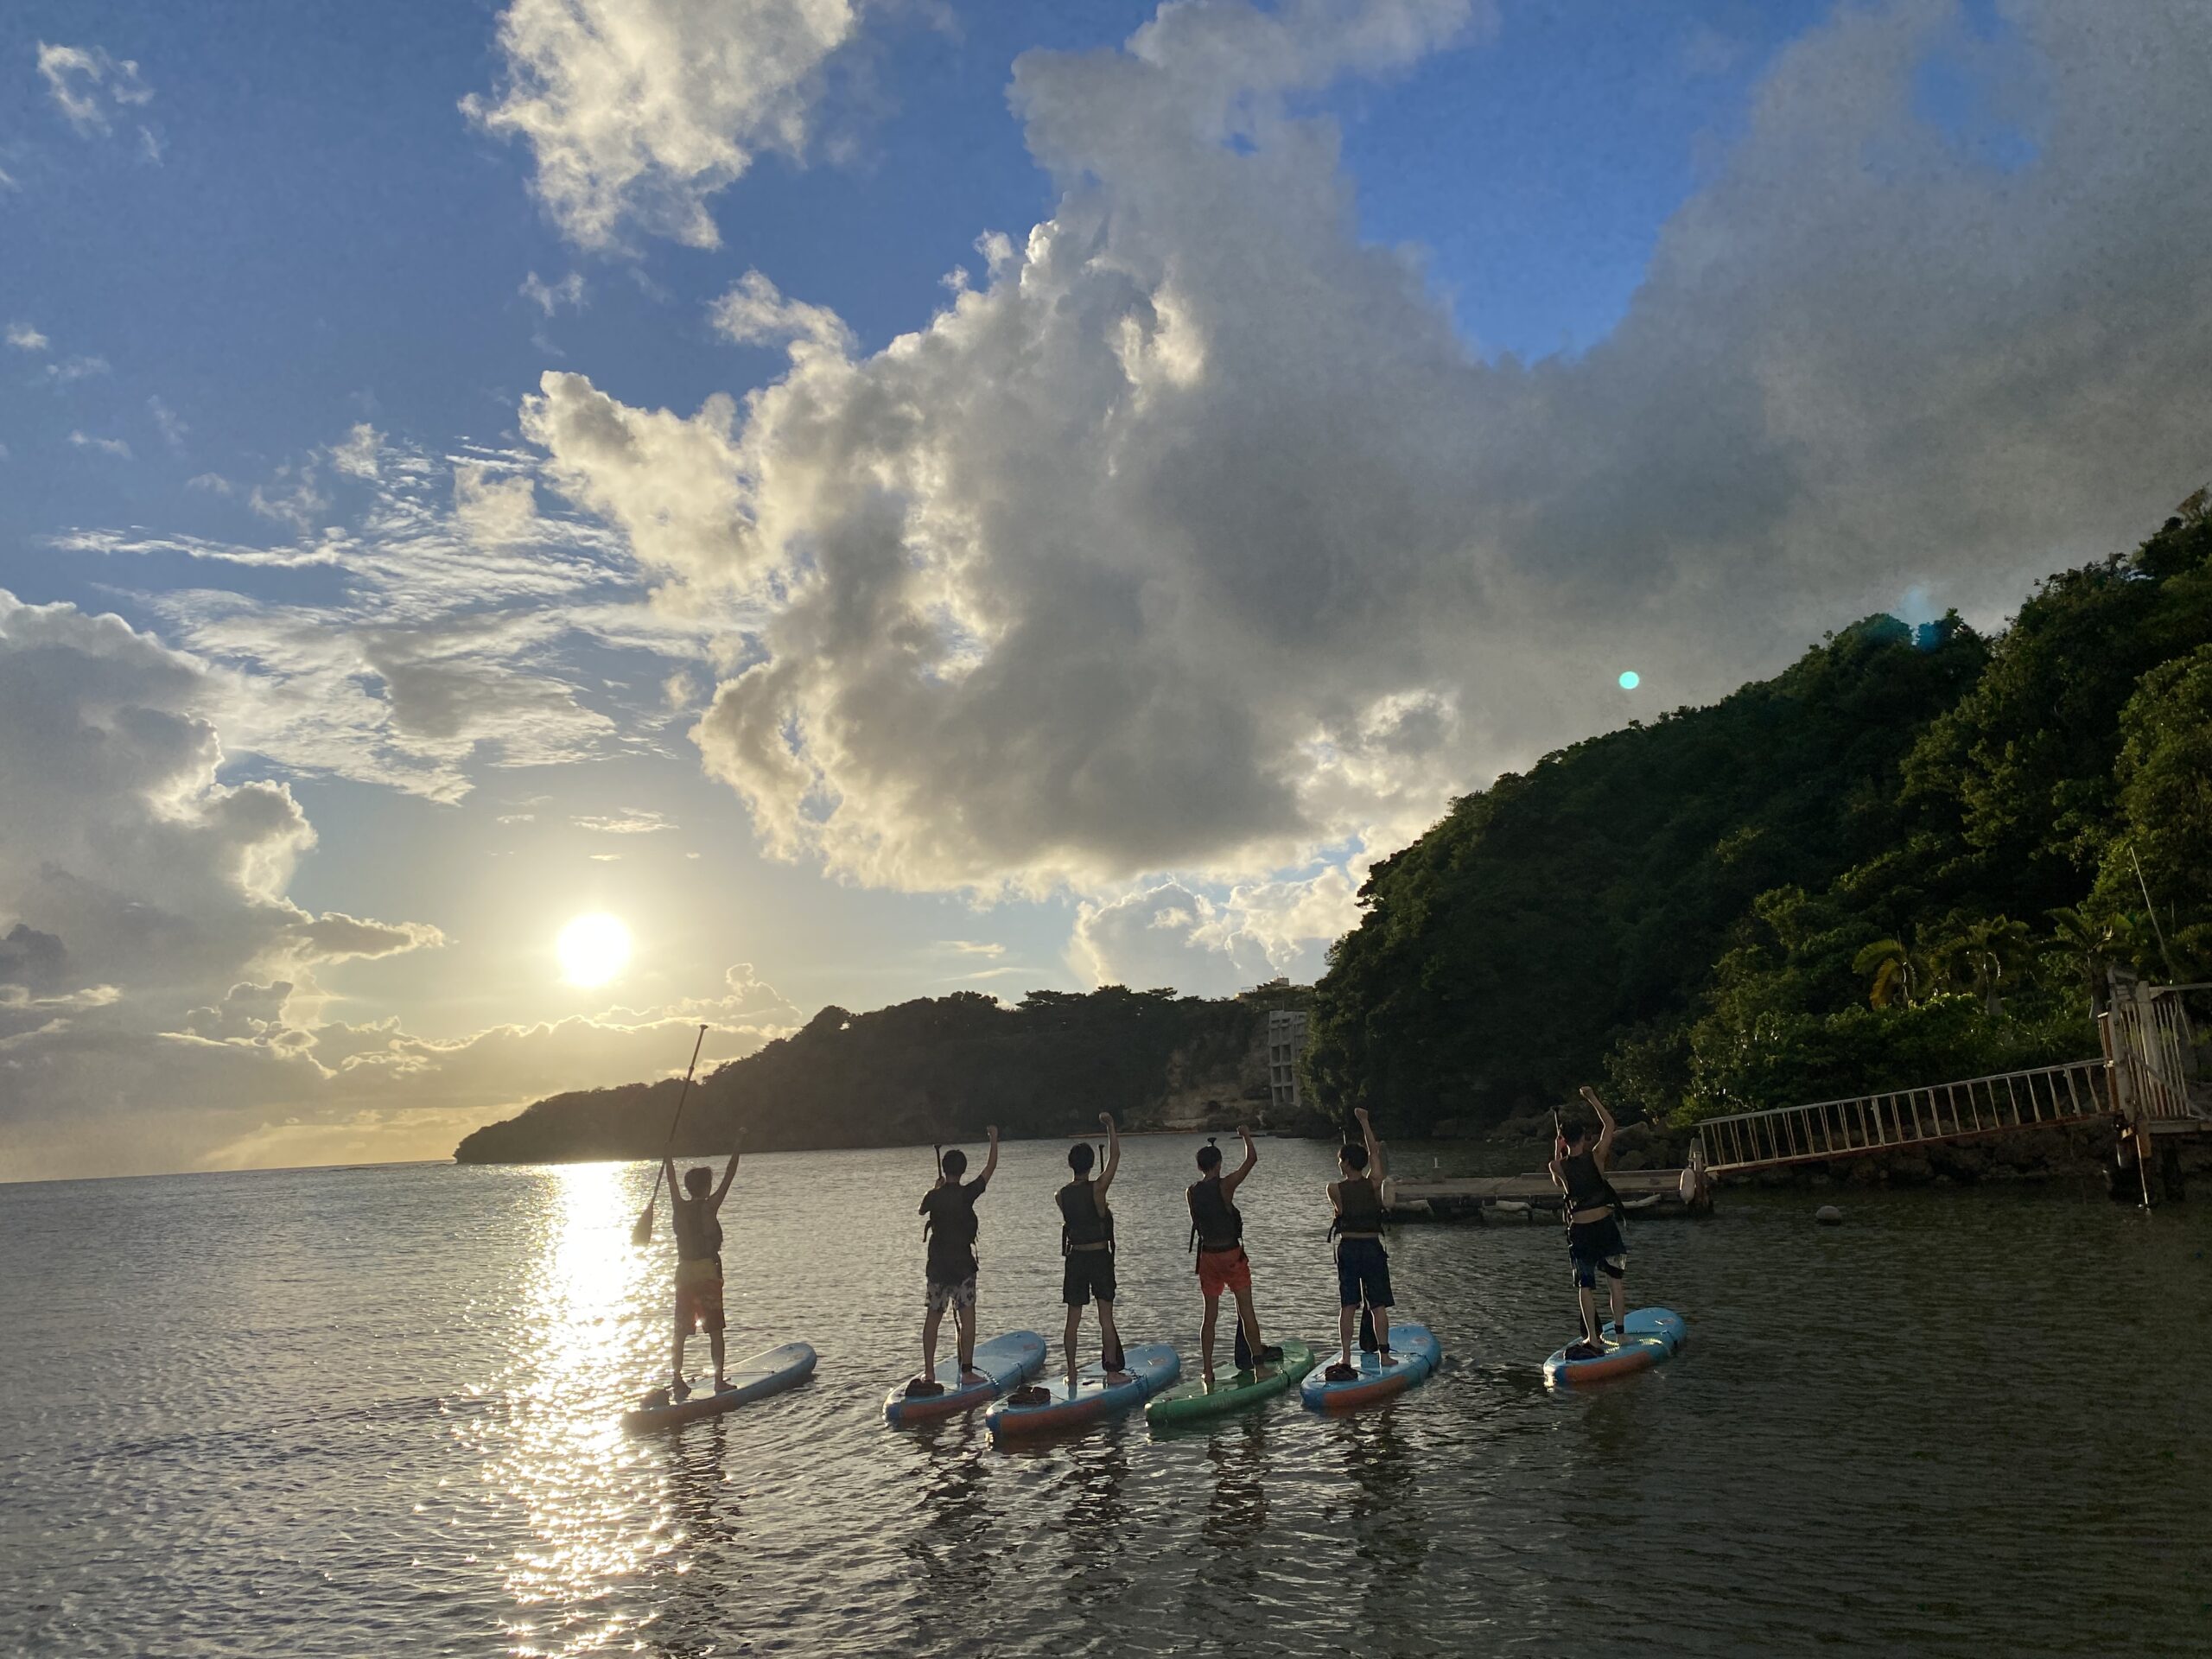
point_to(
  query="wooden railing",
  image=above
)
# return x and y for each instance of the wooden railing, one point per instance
(2042, 1097)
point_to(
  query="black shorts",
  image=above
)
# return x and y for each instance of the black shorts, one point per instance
(1596, 1246)
(1085, 1274)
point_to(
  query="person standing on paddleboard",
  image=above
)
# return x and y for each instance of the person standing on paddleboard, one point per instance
(1595, 1244)
(697, 1220)
(1217, 1235)
(1363, 1265)
(1087, 1248)
(949, 1231)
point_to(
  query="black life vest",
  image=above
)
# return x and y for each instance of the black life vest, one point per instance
(1587, 1185)
(950, 1229)
(1216, 1223)
(698, 1229)
(1085, 1224)
(1359, 1206)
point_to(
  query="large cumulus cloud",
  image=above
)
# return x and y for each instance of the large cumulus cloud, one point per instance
(1191, 537)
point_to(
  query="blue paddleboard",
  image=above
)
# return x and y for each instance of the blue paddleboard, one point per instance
(1148, 1368)
(1653, 1334)
(1416, 1355)
(1001, 1362)
(749, 1379)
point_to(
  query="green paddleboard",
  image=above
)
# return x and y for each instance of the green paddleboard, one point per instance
(1191, 1403)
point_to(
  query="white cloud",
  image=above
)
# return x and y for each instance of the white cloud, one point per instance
(88, 86)
(359, 453)
(70, 369)
(755, 313)
(24, 337)
(550, 297)
(211, 483)
(106, 446)
(173, 430)
(1196, 539)
(493, 507)
(638, 111)
(630, 821)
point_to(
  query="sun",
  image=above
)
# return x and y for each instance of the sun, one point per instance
(593, 949)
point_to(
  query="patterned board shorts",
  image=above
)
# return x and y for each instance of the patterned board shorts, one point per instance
(699, 1294)
(1596, 1246)
(960, 1294)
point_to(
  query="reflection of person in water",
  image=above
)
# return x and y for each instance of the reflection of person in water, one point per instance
(693, 1583)
(1237, 1513)
(1387, 1524)
(1097, 1523)
(950, 1547)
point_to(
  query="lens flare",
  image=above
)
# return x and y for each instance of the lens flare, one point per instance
(1630, 679)
(592, 950)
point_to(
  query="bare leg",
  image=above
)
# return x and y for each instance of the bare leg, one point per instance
(1074, 1331)
(1109, 1338)
(1381, 1327)
(1620, 1306)
(1347, 1318)
(676, 1359)
(963, 1327)
(933, 1319)
(1206, 1337)
(1250, 1317)
(1588, 1299)
(721, 1366)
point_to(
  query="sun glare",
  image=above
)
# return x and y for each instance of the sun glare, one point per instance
(592, 950)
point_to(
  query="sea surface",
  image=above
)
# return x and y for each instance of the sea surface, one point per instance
(374, 1412)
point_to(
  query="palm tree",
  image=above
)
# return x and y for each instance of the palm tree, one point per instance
(2095, 944)
(1894, 969)
(1991, 949)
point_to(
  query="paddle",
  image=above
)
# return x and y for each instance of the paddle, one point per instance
(642, 1233)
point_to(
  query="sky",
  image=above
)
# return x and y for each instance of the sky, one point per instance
(891, 497)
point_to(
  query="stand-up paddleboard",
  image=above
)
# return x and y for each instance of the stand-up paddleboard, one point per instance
(1147, 1368)
(1001, 1362)
(1653, 1334)
(1415, 1354)
(749, 1379)
(1196, 1400)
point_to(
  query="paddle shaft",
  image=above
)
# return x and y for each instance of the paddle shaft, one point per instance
(677, 1118)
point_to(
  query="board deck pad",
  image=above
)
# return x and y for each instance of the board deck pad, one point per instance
(1002, 1361)
(1653, 1334)
(1148, 1368)
(1193, 1402)
(769, 1372)
(1418, 1354)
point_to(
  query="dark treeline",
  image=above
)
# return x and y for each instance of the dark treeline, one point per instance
(1906, 859)
(936, 1069)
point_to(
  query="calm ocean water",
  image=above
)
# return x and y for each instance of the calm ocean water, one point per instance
(372, 1412)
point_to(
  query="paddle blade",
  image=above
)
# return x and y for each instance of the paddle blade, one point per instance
(642, 1233)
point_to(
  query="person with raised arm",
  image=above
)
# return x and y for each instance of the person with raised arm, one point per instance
(1363, 1265)
(694, 1210)
(1217, 1235)
(950, 1273)
(1087, 1248)
(1591, 1208)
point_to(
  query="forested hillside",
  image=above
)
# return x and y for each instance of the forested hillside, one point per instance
(1902, 859)
(937, 1069)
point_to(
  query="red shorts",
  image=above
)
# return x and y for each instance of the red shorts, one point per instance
(699, 1294)
(1224, 1270)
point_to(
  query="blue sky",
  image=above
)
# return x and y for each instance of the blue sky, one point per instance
(1456, 360)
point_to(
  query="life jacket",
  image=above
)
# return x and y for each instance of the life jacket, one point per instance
(1216, 1223)
(698, 1229)
(1359, 1208)
(1085, 1224)
(1587, 1185)
(950, 1229)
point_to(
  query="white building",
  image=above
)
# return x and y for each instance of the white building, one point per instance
(1285, 1042)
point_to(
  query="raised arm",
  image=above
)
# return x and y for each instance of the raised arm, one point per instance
(1559, 1153)
(729, 1170)
(1231, 1182)
(1605, 1133)
(991, 1163)
(668, 1174)
(1378, 1169)
(1113, 1152)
